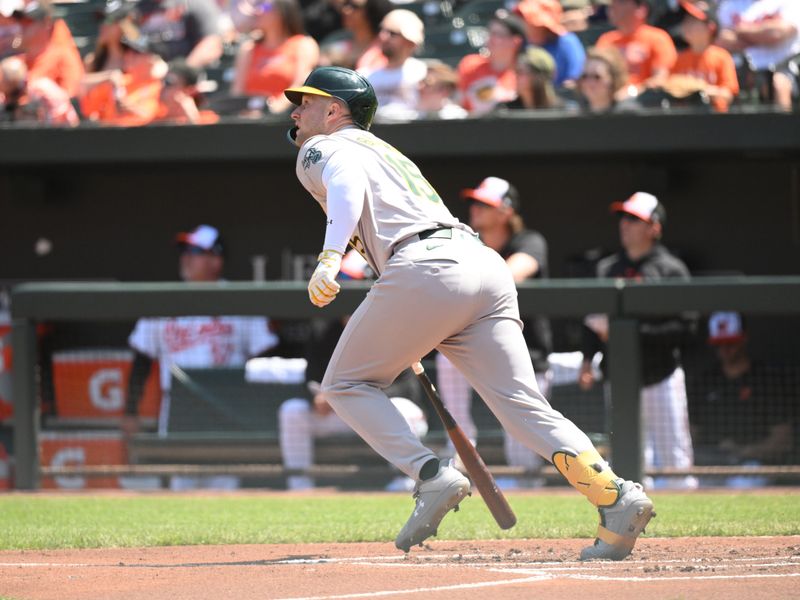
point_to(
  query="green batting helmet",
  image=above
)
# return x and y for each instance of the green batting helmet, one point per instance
(345, 84)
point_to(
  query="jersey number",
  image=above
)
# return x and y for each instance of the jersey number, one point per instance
(417, 184)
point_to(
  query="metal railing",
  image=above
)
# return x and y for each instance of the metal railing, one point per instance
(625, 302)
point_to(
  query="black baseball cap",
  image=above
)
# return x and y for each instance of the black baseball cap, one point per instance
(700, 10)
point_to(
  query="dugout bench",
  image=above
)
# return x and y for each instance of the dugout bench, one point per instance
(218, 419)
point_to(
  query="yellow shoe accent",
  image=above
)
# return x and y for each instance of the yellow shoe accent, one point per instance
(588, 473)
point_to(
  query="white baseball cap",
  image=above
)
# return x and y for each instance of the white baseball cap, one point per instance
(406, 23)
(643, 206)
(725, 328)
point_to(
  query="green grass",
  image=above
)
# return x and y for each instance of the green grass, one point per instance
(40, 522)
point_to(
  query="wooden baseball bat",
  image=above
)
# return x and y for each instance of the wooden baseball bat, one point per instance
(476, 468)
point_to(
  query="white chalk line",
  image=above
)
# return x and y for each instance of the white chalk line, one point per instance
(535, 577)
(443, 588)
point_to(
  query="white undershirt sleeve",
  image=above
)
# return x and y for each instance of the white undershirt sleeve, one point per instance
(346, 184)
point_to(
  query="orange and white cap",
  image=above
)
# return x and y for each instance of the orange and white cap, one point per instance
(725, 328)
(643, 206)
(204, 237)
(494, 191)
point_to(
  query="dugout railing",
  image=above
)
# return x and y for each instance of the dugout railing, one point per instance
(624, 302)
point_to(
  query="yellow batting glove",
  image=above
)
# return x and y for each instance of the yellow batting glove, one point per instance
(323, 287)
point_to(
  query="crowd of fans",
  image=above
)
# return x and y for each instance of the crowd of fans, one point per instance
(193, 61)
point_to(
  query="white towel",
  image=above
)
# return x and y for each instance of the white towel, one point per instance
(275, 369)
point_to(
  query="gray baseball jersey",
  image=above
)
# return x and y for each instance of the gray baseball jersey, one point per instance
(398, 201)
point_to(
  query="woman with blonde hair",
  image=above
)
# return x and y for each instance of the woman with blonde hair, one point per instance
(279, 56)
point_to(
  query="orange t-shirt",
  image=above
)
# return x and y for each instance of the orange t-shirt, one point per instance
(271, 71)
(645, 50)
(713, 65)
(142, 95)
(59, 61)
(481, 87)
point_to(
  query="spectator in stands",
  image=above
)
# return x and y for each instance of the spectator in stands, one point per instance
(437, 93)
(667, 441)
(357, 46)
(108, 51)
(488, 80)
(767, 33)
(10, 29)
(129, 96)
(281, 55)
(182, 95)
(535, 82)
(38, 101)
(544, 29)
(707, 64)
(182, 29)
(192, 342)
(397, 83)
(743, 411)
(494, 214)
(576, 14)
(49, 48)
(649, 52)
(604, 76)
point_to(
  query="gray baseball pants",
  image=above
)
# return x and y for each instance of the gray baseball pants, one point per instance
(455, 295)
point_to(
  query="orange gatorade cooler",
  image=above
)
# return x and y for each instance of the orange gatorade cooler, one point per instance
(80, 449)
(94, 383)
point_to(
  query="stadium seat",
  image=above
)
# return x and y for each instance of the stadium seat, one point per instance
(450, 44)
(478, 12)
(83, 21)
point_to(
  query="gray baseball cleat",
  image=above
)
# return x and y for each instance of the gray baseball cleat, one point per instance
(435, 497)
(621, 524)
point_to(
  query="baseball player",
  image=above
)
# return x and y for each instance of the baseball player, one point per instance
(194, 342)
(493, 213)
(438, 287)
(665, 417)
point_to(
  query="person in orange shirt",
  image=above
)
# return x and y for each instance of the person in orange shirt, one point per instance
(486, 81)
(703, 60)
(49, 48)
(131, 96)
(649, 52)
(281, 56)
(182, 96)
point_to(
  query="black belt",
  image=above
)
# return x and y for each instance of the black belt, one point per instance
(439, 232)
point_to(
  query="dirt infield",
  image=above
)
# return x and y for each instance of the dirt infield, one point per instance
(729, 568)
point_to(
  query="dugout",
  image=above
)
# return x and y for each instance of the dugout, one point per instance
(730, 184)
